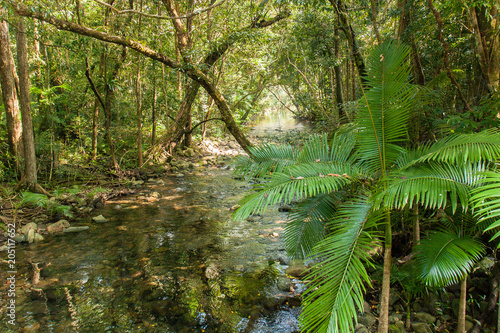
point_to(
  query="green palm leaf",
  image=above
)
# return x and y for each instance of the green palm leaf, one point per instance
(486, 201)
(337, 286)
(383, 115)
(317, 148)
(306, 223)
(432, 185)
(446, 257)
(265, 159)
(463, 148)
(285, 188)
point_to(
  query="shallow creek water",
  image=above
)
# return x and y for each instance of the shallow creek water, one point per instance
(170, 260)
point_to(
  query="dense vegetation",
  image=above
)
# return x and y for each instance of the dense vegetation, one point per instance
(406, 93)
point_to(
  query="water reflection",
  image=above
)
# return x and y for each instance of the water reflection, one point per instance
(179, 264)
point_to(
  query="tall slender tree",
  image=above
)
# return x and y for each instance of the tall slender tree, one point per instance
(9, 95)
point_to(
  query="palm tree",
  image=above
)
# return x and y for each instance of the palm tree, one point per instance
(447, 256)
(348, 187)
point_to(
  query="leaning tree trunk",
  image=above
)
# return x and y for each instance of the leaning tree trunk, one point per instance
(9, 96)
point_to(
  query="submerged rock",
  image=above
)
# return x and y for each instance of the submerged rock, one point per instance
(99, 219)
(77, 229)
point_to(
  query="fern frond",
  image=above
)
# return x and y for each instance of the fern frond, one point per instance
(336, 291)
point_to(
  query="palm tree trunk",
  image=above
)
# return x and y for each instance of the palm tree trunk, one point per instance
(463, 305)
(386, 279)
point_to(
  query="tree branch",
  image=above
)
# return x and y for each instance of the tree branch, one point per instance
(161, 17)
(82, 30)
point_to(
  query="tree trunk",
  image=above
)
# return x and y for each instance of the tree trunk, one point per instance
(487, 43)
(9, 96)
(95, 118)
(446, 52)
(341, 9)
(463, 305)
(153, 109)
(386, 279)
(416, 227)
(30, 174)
(339, 99)
(139, 112)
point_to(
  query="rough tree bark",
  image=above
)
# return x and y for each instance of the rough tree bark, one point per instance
(9, 96)
(341, 10)
(486, 35)
(29, 179)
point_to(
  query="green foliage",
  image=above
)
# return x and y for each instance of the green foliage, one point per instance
(486, 202)
(347, 187)
(41, 200)
(445, 257)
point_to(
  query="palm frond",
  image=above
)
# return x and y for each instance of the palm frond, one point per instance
(462, 148)
(336, 291)
(319, 149)
(307, 182)
(384, 113)
(486, 201)
(265, 159)
(446, 257)
(306, 223)
(432, 185)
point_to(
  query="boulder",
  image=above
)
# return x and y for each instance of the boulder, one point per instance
(58, 226)
(421, 327)
(296, 269)
(27, 227)
(367, 319)
(425, 317)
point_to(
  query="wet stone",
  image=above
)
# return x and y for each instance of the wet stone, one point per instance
(19, 238)
(77, 229)
(99, 219)
(30, 237)
(59, 226)
(27, 227)
(38, 237)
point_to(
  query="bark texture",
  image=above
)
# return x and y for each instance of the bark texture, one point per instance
(9, 96)
(30, 174)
